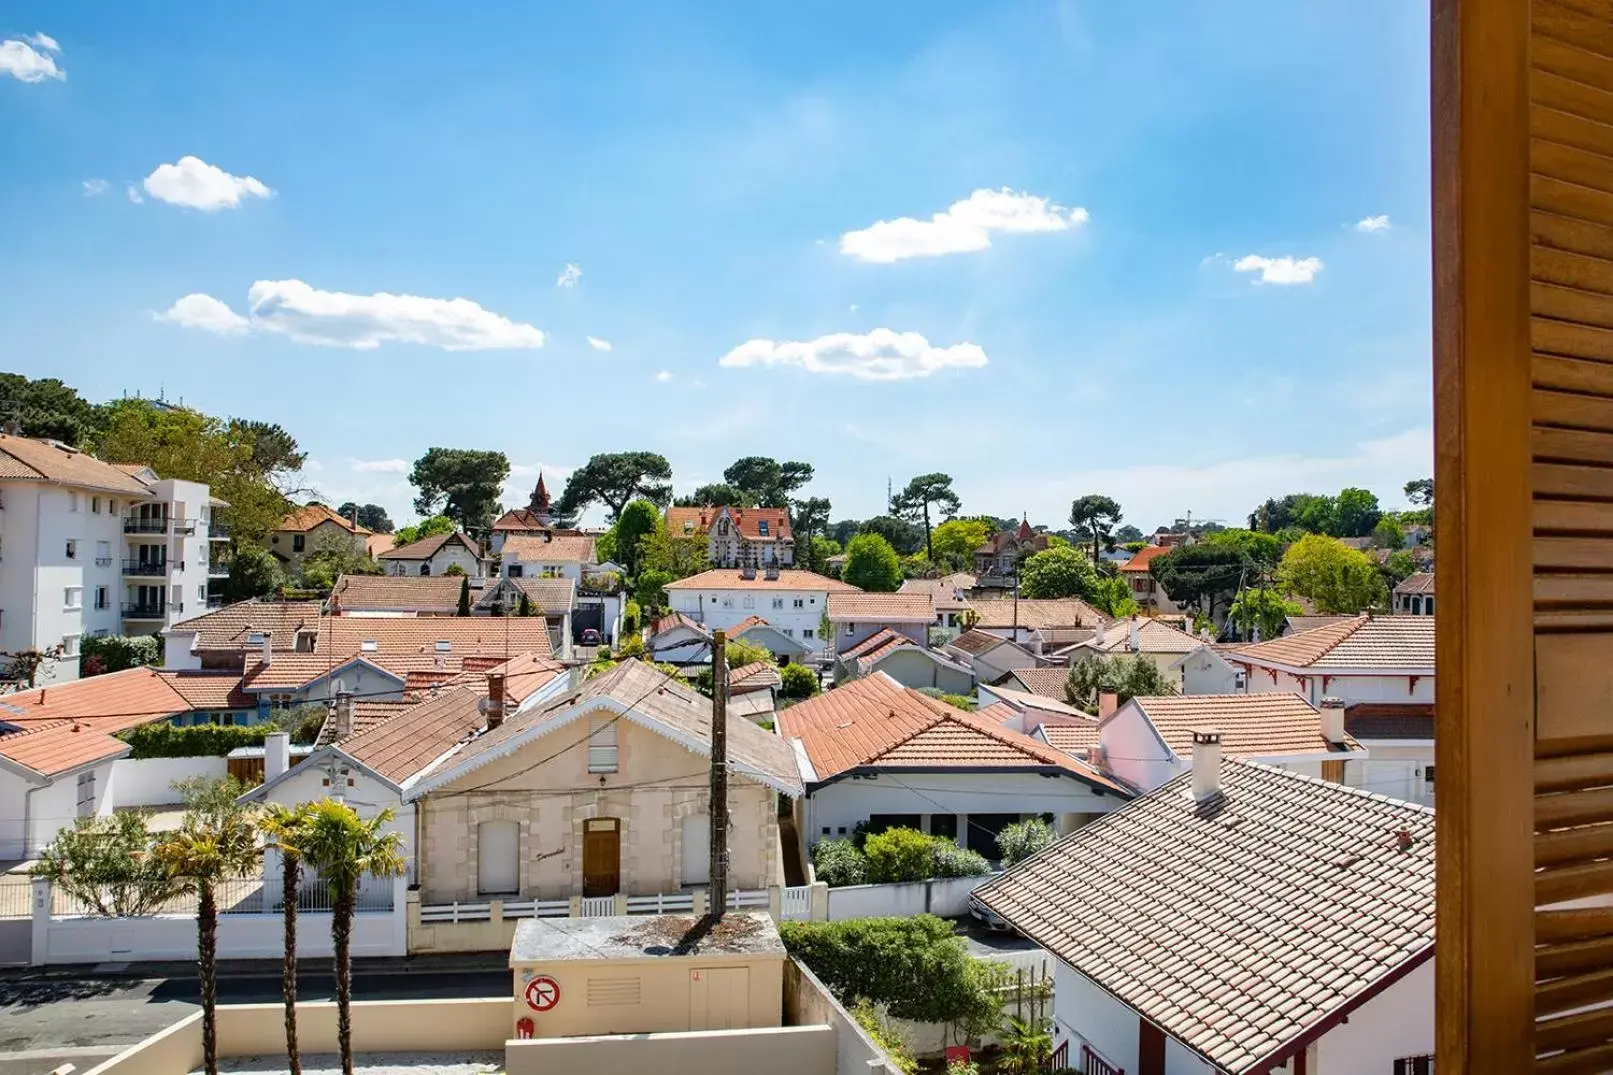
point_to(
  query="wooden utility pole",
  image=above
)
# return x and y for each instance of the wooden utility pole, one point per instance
(719, 774)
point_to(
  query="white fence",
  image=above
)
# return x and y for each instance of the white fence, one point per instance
(799, 900)
(947, 897)
(149, 781)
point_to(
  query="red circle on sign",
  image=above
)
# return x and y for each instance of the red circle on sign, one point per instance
(542, 993)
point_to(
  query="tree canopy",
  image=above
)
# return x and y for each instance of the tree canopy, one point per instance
(766, 483)
(48, 408)
(1126, 676)
(1334, 577)
(1420, 491)
(1262, 550)
(430, 527)
(903, 536)
(871, 564)
(1203, 575)
(1262, 610)
(919, 497)
(1112, 596)
(676, 555)
(1063, 572)
(638, 520)
(809, 520)
(370, 516)
(1094, 518)
(953, 543)
(716, 494)
(254, 572)
(613, 479)
(461, 483)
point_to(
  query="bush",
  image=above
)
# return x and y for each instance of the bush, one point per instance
(838, 863)
(950, 860)
(196, 741)
(453, 569)
(956, 701)
(897, 855)
(114, 653)
(799, 681)
(631, 615)
(631, 646)
(885, 1036)
(1022, 839)
(915, 967)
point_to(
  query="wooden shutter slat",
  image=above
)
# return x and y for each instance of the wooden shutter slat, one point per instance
(1566, 303)
(1573, 163)
(1570, 199)
(1597, 1060)
(1571, 339)
(1573, 589)
(1567, 268)
(1576, 445)
(1596, 9)
(1577, 516)
(1572, 374)
(1573, 845)
(1574, 1031)
(1548, 231)
(1573, 86)
(1559, 31)
(1573, 957)
(1574, 771)
(1571, 410)
(1573, 552)
(1573, 808)
(1576, 991)
(1559, 884)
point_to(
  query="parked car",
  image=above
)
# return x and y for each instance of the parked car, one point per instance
(986, 916)
(590, 636)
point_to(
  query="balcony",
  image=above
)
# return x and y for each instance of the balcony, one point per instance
(152, 568)
(153, 524)
(148, 612)
(218, 531)
(215, 600)
(218, 570)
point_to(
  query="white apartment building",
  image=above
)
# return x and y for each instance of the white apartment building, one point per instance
(794, 602)
(90, 548)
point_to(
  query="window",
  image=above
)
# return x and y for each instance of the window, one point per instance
(1428, 604)
(280, 701)
(750, 602)
(297, 542)
(799, 603)
(95, 505)
(443, 645)
(789, 632)
(778, 602)
(255, 638)
(851, 629)
(369, 645)
(73, 597)
(72, 549)
(1428, 775)
(425, 569)
(70, 645)
(103, 553)
(728, 602)
(1415, 1065)
(72, 500)
(514, 571)
(100, 597)
(86, 794)
(1240, 681)
(761, 527)
(806, 632)
(602, 744)
(112, 506)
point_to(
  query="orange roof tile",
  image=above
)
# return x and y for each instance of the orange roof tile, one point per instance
(1072, 737)
(367, 713)
(498, 636)
(1152, 637)
(231, 627)
(1145, 556)
(402, 746)
(683, 522)
(550, 548)
(209, 690)
(731, 578)
(117, 699)
(882, 607)
(1251, 725)
(1035, 613)
(398, 593)
(60, 747)
(306, 518)
(427, 547)
(1363, 642)
(28, 459)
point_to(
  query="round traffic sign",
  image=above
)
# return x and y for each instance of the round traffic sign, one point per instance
(542, 993)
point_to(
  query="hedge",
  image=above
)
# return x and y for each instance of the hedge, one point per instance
(195, 741)
(914, 966)
(892, 857)
(99, 654)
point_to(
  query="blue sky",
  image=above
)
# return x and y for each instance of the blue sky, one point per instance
(1174, 303)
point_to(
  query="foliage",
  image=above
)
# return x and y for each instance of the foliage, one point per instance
(962, 1067)
(105, 863)
(302, 722)
(330, 554)
(822, 549)
(1388, 534)
(463, 607)
(1062, 572)
(915, 966)
(370, 516)
(1129, 535)
(524, 607)
(1094, 518)
(897, 855)
(1111, 595)
(740, 653)
(651, 589)
(1126, 676)
(1201, 574)
(461, 483)
(636, 521)
(1356, 513)
(1336, 578)
(613, 479)
(1262, 550)
(871, 564)
(674, 554)
(953, 543)
(254, 572)
(919, 496)
(809, 520)
(1022, 839)
(903, 536)
(25, 664)
(48, 408)
(1027, 1048)
(427, 527)
(844, 530)
(1400, 566)
(838, 863)
(885, 1036)
(631, 645)
(1258, 609)
(766, 482)
(454, 571)
(1420, 491)
(956, 701)
(716, 495)
(117, 652)
(632, 617)
(164, 740)
(950, 860)
(799, 681)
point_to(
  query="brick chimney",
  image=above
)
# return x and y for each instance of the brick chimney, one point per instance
(1333, 720)
(1206, 764)
(495, 700)
(342, 714)
(268, 649)
(1108, 702)
(1134, 638)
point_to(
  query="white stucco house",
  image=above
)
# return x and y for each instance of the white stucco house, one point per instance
(434, 556)
(792, 601)
(1232, 922)
(737, 537)
(854, 616)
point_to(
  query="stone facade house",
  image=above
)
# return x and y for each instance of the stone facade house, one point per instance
(737, 537)
(997, 561)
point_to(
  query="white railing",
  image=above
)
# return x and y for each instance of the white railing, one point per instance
(751, 899)
(457, 912)
(665, 903)
(797, 903)
(535, 909)
(598, 906)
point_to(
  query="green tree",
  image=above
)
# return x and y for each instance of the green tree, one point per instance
(1262, 550)
(1334, 577)
(674, 554)
(953, 543)
(284, 828)
(216, 842)
(427, 527)
(330, 555)
(114, 653)
(923, 493)
(48, 408)
(1027, 1047)
(1399, 567)
(903, 536)
(1111, 595)
(614, 478)
(1264, 610)
(1356, 512)
(716, 495)
(650, 592)
(1022, 839)
(1127, 534)
(105, 863)
(1388, 534)
(822, 549)
(1420, 491)
(1126, 676)
(1201, 576)
(1095, 517)
(464, 597)
(344, 848)
(636, 521)
(766, 482)
(810, 519)
(524, 606)
(871, 564)
(254, 572)
(461, 483)
(1057, 573)
(370, 516)
(799, 682)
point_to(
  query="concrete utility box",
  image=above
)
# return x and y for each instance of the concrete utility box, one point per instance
(643, 975)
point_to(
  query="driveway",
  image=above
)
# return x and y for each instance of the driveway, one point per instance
(1004, 946)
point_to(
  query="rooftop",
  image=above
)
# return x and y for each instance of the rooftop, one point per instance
(1152, 637)
(550, 547)
(732, 578)
(1145, 556)
(1235, 925)
(1420, 582)
(34, 460)
(1032, 613)
(684, 522)
(427, 547)
(398, 593)
(1361, 642)
(540, 940)
(944, 591)
(233, 626)
(306, 518)
(1251, 725)
(881, 607)
(1047, 682)
(404, 745)
(1390, 720)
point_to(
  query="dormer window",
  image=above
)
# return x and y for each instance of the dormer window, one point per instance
(255, 638)
(761, 527)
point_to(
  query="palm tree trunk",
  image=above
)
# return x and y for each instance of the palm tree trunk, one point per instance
(207, 970)
(290, 884)
(341, 935)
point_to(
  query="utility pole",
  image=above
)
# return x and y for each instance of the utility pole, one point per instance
(719, 775)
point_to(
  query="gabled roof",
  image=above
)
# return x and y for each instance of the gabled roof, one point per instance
(527, 519)
(437, 594)
(872, 659)
(881, 639)
(1238, 925)
(1363, 642)
(756, 676)
(1152, 637)
(306, 518)
(1420, 582)
(427, 547)
(232, 627)
(944, 591)
(550, 596)
(51, 749)
(857, 605)
(998, 614)
(209, 690)
(1251, 725)
(875, 722)
(674, 621)
(1145, 556)
(59, 727)
(523, 676)
(33, 460)
(368, 713)
(732, 578)
(1073, 738)
(403, 746)
(550, 547)
(975, 642)
(502, 636)
(686, 522)
(294, 670)
(1022, 538)
(1039, 703)
(1296, 624)
(1047, 682)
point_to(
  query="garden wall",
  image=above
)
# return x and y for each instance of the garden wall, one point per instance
(149, 781)
(946, 897)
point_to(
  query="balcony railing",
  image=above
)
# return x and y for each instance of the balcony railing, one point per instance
(218, 570)
(146, 524)
(215, 600)
(103, 561)
(152, 567)
(218, 530)
(139, 611)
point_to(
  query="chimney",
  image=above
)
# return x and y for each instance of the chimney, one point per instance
(495, 699)
(1333, 720)
(1098, 635)
(1134, 641)
(343, 714)
(1206, 764)
(1108, 702)
(268, 649)
(276, 755)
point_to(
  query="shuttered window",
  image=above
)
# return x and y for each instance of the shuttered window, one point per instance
(602, 744)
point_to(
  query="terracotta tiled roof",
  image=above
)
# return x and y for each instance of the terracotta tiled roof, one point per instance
(231, 627)
(880, 640)
(1238, 925)
(1021, 538)
(1251, 725)
(59, 727)
(209, 690)
(1421, 582)
(60, 746)
(306, 518)
(758, 675)
(1075, 738)
(975, 642)
(368, 713)
(398, 593)
(746, 624)
(550, 548)
(943, 591)
(1296, 624)
(376, 544)
(1143, 557)
(27, 459)
(292, 670)
(998, 614)
(550, 596)
(674, 620)
(1152, 637)
(1047, 682)
(523, 675)
(427, 547)
(399, 748)
(1389, 720)
(1362, 642)
(684, 522)
(881, 607)
(526, 519)
(874, 721)
(1039, 703)
(502, 636)
(731, 578)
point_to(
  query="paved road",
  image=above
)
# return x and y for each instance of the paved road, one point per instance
(1003, 946)
(48, 1021)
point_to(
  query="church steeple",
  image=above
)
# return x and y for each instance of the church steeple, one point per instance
(539, 504)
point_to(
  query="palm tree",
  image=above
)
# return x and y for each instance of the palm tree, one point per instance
(284, 827)
(216, 842)
(344, 847)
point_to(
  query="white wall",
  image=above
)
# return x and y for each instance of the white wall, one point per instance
(1350, 688)
(54, 806)
(1133, 751)
(1203, 673)
(187, 502)
(149, 781)
(947, 897)
(721, 609)
(1396, 769)
(1397, 1022)
(13, 802)
(368, 796)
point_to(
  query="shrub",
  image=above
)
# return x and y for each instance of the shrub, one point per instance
(631, 615)
(838, 863)
(950, 860)
(631, 646)
(1022, 839)
(114, 653)
(196, 741)
(454, 569)
(915, 967)
(956, 701)
(799, 681)
(106, 863)
(885, 1036)
(897, 855)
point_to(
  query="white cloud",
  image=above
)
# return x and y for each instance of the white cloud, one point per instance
(854, 307)
(569, 275)
(965, 226)
(206, 312)
(664, 376)
(1284, 270)
(94, 188)
(380, 466)
(598, 344)
(133, 192)
(22, 62)
(1373, 223)
(880, 355)
(44, 41)
(195, 184)
(362, 322)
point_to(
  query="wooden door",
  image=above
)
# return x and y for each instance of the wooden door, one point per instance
(719, 998)
(601, 856)
(1150, 1049)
